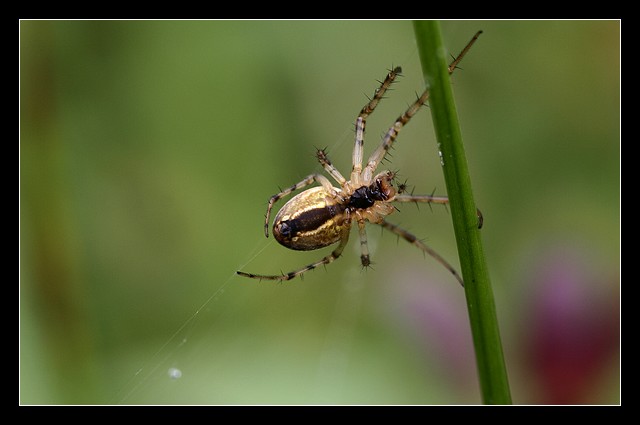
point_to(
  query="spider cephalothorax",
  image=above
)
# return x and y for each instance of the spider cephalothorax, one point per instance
(323, 215)
(380, 190)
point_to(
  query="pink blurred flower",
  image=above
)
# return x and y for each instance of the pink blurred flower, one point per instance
(561, 344)
(572, 333)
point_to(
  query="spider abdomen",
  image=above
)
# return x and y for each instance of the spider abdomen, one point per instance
(310, 220)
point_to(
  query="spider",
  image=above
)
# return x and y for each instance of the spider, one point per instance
(323, 215)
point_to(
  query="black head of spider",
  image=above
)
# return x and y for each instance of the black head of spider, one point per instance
(381, 189)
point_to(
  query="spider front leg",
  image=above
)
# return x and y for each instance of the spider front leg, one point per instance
(378, 155)
(422, 246)
(361, 122)
(330, 168)
(344, 238)
(306, 182)
(391, 135)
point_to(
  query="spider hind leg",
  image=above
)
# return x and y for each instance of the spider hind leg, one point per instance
(288, 276)
(412, 239)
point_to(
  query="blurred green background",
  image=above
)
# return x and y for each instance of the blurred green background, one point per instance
(148, 151)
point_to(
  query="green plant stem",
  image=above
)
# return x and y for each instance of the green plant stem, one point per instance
(494, 384)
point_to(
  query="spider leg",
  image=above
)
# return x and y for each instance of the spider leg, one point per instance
(361, 122)
(330, 168)
(379, 154)
(422, 198)
(306, 182)
(421, 245)
(364, 245)
(326, 260)
(434, 200)
(453, 65)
